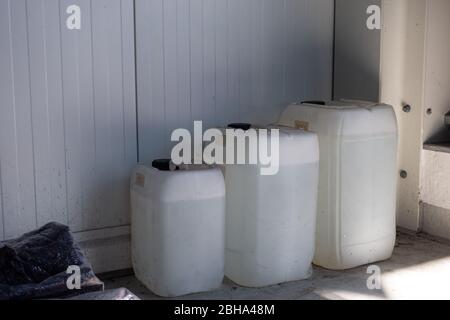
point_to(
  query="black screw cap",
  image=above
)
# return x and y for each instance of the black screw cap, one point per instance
(242, 126)
(163, 164)
(320, 103)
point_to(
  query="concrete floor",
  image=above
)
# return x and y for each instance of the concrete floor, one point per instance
(419, 269)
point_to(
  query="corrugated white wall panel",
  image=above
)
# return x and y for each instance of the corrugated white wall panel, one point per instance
(16, 136)
(223, 61)
(100, 118)
(68, 115)
(47, 112)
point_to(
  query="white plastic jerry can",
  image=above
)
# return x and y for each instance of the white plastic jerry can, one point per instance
(357, 185)
(270, 219)
(178, 228)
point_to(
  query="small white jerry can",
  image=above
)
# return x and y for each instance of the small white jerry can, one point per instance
(178, 228)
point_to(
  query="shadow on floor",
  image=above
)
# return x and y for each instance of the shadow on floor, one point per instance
(418, 269)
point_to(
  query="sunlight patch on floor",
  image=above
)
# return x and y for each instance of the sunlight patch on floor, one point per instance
(429, 281)
(333, 294)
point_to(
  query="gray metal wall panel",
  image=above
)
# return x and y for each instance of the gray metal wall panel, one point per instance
(223, 61)
(437, 70)
(67, 121)
(357, 52)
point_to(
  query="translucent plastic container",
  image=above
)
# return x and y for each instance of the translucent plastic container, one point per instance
(178, 228)
(270, 220)
(357, 185)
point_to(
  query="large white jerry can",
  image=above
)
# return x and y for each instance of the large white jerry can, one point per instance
(357, 185)
(178, 239)
(270, 219)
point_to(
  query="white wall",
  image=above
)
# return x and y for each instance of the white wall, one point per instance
(225, 61)
(416, 71)
(402, 82)
(68, 114)
(435, 193)
(435, 181)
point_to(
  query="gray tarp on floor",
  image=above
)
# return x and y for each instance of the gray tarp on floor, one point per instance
(34, 266)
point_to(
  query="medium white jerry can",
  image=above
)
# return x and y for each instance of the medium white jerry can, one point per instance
(270, 219)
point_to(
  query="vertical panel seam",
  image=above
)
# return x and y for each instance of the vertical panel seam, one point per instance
(47, 104)
(227, 60)
(164, 69)
(240, 19)
(2, 207)
(334, 51)
(13, 85)
(94, 104)
(13, 105)
(261, 72)
(306, 68)
(123, 85)
(109, 108)
(111, 113)
(63, 113)
(78, 120)
(203, 58)
(177, 64)
(27, 26)
(136, 81)
(190, 61)
(285, 30)
(215, 60)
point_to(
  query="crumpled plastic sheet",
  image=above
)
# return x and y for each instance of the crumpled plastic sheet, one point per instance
(116, 294)
(35, 265)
